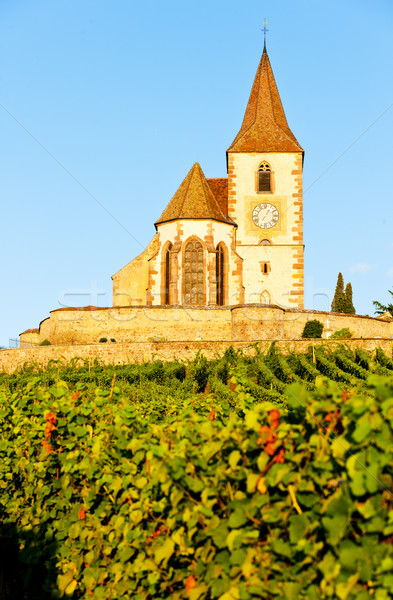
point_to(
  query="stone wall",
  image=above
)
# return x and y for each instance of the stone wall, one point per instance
(131, 283)
(128, 324)
(238, 323)
(123, 353)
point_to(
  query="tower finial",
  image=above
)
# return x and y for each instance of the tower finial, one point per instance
(265, 30)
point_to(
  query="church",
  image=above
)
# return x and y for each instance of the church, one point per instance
(234, 240)
(226, 264)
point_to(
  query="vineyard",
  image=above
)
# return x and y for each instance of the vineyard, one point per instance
(265, 476)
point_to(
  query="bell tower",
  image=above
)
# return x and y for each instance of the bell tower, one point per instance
(265, 197)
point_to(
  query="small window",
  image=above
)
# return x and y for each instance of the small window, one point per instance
(264, 178)
(265, 243)
(265, 268)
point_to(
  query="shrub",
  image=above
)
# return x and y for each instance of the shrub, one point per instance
(113, 340)
(103, 340)
(45, 343)
(342, 334)
(313, 329)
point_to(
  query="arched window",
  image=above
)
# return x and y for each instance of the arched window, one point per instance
(265, 297)
(265, 243)
(167, 275)
(264, 177)
(193, 273)
(220, 260)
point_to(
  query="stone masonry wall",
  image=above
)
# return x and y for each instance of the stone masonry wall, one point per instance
(238, 323)
(123, 353)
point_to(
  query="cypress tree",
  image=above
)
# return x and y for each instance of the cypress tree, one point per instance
(338, 300)
(348, 306)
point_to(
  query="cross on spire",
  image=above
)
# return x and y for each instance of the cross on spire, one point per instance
(265, 30)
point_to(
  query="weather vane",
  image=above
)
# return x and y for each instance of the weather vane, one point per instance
(265, 30)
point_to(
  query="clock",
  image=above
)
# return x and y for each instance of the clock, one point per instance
(265, 215)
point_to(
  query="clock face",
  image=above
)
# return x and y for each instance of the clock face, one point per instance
(265, 215)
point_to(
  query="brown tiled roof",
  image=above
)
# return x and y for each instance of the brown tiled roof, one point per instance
(219, 187)
(30, 331)
(193, 200)
(265, 127)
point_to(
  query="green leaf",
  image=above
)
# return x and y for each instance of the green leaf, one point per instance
(232, 537)
(344, 589)
(164, 552)
(357, 485)
(234, 458)
(340, 447)
(141, 482)
(282, 548)
(237, 519)
(65, 580)
(252, 480)
(291, 590)
(232, 594)
(252, 419)
(297, 527)
(361, 432)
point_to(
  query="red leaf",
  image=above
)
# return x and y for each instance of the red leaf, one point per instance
(47, 446)
(270, 448)
(81, 514)
(50, 417)
(190, 584)
(280, 456)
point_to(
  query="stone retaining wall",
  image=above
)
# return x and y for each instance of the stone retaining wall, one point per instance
(122, 353)
(250, 322)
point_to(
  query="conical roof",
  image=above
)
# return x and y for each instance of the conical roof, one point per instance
(265, 127)
(193, 200)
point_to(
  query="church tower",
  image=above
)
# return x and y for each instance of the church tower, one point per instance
(265, 200)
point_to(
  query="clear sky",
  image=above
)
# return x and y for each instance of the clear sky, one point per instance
(105, 106)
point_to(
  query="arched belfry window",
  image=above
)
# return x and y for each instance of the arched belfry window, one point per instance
(167, 275)
(264, 177)
(193, 273)
(220, 264)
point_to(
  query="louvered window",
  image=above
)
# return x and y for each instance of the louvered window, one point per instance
(264, 178)
(265, 268)
(220, 275)
(193, 273)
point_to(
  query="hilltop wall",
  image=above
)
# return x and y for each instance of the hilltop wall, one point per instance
(237, 323)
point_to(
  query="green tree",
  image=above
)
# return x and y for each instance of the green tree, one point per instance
(338, 300)
(382, 308)
(348, 306)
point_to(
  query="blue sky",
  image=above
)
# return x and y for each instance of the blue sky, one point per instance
(106, 106)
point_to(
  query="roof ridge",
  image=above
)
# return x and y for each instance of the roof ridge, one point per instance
(265, 127)
(194, 199)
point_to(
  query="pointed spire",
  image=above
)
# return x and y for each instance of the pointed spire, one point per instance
(265, 127)
(193, 200)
